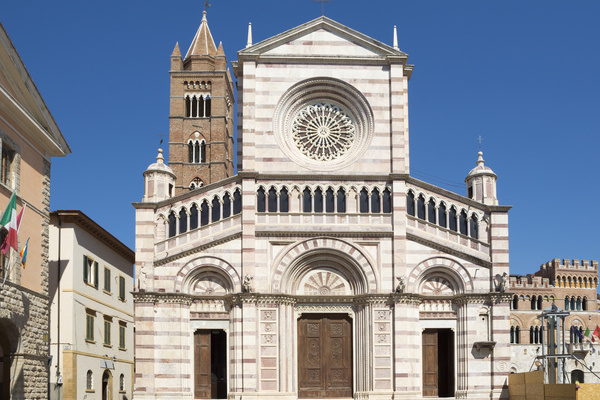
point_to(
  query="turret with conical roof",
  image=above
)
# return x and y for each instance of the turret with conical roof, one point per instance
(481, 183)
(201, 119)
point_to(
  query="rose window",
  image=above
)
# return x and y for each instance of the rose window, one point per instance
(323, 131)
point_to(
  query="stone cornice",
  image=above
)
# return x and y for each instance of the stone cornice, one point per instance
(197, 249)
(449, 250)
(259, 299)
(312, 233)
(473, 298)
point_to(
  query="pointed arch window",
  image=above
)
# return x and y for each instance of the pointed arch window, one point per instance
(463, 222)
(237, 202)
(182, 221)
(452, 219)
(364, 201)
(431, 211)
(216, 209)
(387, 201)
(172, 224)
(226, 206)
(260, 200)
(375, 201)
(410, 203)
(204, 213)
(196, 151)
(329, 201)
(306, 201)
(584, 304)
(207, 104)
(272, 202)
(194, 110)
(421, 207)
(193, 217)
(567, 304)
(474, 231)
(284, 200)
(341, 200)
(515, 302)
(198, 105)
(318, 199)
(442, 215)
(573, 304)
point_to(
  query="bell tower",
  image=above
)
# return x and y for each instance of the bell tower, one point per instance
(201, 116)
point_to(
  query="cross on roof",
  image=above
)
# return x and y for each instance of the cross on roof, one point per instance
(206, 4)
(479, 139)
(322, 5)
(160, 135)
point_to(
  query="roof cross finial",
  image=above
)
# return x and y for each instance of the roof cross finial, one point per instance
(206, 5)
(322, 5)
(160, 135)
(480, 139)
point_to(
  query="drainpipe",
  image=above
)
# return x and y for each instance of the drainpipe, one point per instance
(58, 302)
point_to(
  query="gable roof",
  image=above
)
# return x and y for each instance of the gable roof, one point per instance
(380, 51)
(20, 97)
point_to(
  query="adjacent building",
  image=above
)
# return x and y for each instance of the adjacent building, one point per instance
(29, 138)
(323, 269)
(91, 312)
(572, 286)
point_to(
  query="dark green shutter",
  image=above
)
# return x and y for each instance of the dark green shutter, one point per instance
(96, 274)
(86, 271)
(122, 288)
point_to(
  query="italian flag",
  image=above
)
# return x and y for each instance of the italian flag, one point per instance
(11, 221)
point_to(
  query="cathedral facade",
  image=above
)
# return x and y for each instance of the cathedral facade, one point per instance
(322, 269)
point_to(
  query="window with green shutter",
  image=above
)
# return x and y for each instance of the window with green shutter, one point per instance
(106, 279)
(121, 336)
(121, 288)
(107, 326)
(89, 327)
(96, 274)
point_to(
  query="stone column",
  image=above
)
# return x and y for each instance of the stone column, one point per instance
(407, 347)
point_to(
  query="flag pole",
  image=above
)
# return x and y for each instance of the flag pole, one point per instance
(7, 267)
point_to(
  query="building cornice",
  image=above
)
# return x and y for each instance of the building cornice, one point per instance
(78, 218)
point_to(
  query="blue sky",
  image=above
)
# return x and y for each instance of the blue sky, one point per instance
(522, 74)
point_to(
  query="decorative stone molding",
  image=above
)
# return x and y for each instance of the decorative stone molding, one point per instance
(442, 267)
(407, 298)
(314, 112)
(299, 258)
(196, 249)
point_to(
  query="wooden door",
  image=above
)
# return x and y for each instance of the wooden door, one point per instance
(324, 356)
(202, 370)
(430, 363)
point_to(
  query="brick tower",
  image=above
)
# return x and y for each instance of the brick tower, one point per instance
(201, 123)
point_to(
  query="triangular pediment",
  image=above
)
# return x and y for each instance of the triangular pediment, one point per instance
(322, 37)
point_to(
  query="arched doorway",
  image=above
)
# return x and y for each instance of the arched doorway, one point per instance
(4, 364)
(107, 385)
(577, 376)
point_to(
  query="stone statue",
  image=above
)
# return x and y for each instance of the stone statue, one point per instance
(401, 284)
(504, 282)
(247, 285)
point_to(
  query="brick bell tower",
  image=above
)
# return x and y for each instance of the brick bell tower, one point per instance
(201, 123)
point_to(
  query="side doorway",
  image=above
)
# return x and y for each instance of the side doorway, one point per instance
(438, 362)
(210, 364)
(107, 386)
